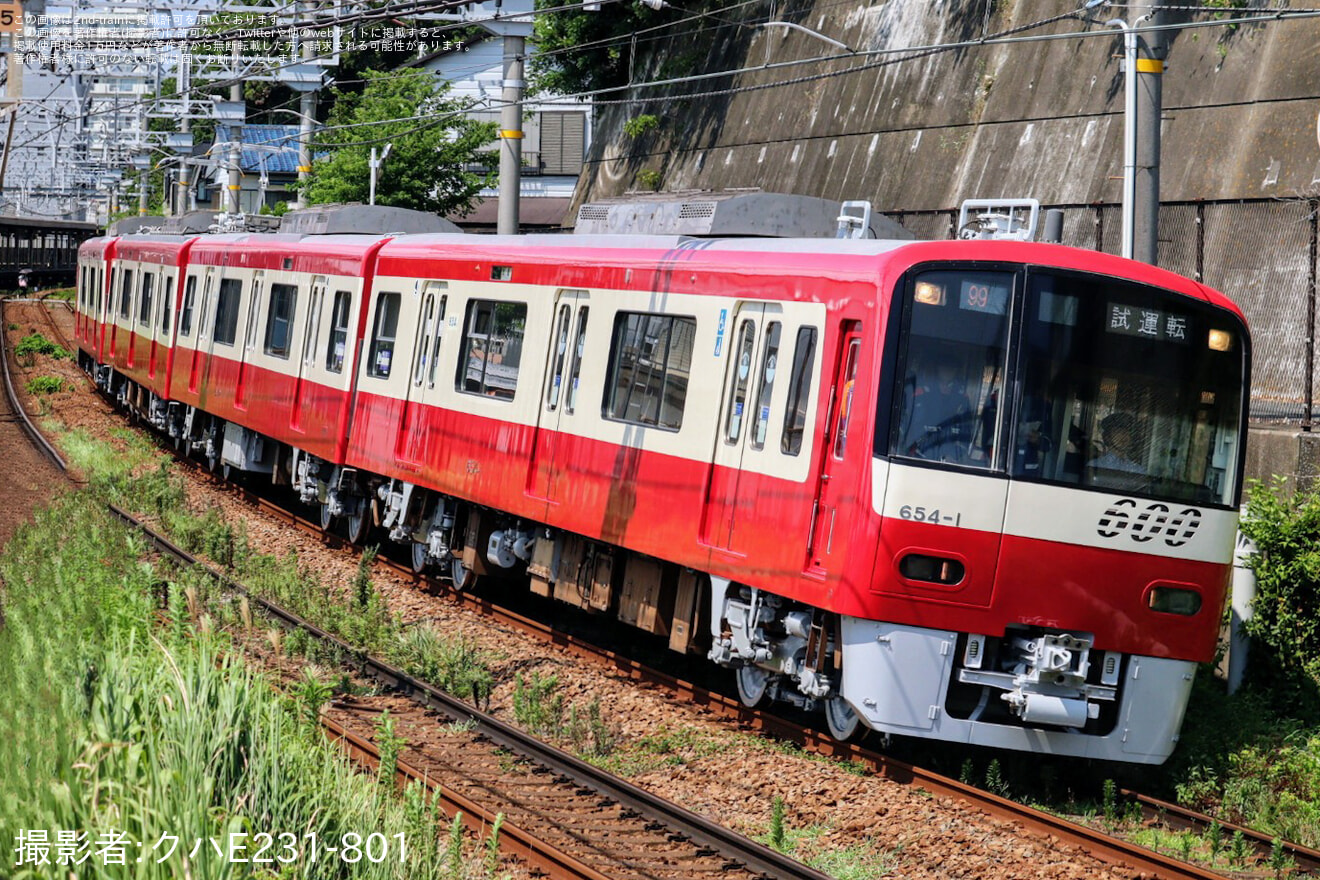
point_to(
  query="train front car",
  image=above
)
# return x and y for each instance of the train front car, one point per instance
(1057, 471)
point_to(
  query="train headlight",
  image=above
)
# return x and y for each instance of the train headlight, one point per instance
(929, 294)
(1173, 600)
(1220, 340)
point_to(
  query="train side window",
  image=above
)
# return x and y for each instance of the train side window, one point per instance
(742, 378)
(381, 357)
(189, 300)
(253, 313)
(422, 350)
(166, 296)
(492, 348)
(560, 357)
(226, 311)
(575, 370)
(799, 391)
(338, 341)
(650, 364)
(435, 344)
(125, 293)
(279, 319)
(766, 377)
(144, 302)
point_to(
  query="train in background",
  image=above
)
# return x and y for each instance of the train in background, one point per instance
(979, 490)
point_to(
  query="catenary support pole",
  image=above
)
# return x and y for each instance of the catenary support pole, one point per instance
(1152, 49)
(511, 135)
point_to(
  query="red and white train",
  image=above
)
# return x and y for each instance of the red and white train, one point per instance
(982, 491)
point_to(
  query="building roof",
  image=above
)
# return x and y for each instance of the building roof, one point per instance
(278, 143)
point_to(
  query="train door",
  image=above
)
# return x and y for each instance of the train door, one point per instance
(827, 536)
(202, 321)
(249, 347)
(311, 344)
(749, 373)
(410, 445)
(559, 393)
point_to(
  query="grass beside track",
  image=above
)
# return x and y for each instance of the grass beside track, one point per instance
(118, 728)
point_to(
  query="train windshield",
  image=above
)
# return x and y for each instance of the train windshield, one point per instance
(1077, 379)
(1128, 388)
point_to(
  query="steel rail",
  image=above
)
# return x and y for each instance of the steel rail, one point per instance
(756, 857)
(514, 840)
(38, 439)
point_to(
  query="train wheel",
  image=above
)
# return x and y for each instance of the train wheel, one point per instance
(326, 517)
(359, 523)
(419, 559)
(841, 719)
(752, 684)
(462, 576)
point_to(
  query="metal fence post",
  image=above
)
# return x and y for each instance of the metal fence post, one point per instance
(1099, 227)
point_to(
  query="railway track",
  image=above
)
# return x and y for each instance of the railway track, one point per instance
(1099, 844)
(592, 824)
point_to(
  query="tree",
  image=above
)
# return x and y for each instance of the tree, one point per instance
(433, 143)
(560, 67)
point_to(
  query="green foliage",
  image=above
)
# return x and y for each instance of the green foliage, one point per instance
(454, 847)
(35, 343)
(455, 664)
(432, 142)
(649, 178)
(363, 591)
(606, 35)
(640, 125)
(1237, 849)
(536, 706)
(310, 694)
(388, 743)
(1111, 803)
(995, 783)
(45, 385)
(490, 861)
(776, 835)
(107, 720)
(1285, 625)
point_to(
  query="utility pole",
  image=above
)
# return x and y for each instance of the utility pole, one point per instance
(511, 134)
(306, 116)
(1152, 49)
(236, 133)
(1143, 69)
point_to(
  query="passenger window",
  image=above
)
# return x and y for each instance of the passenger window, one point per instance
(799, 391)
(126, 293)
(435, 344)
(769, 363)
(279, 319)
(254, 313)
(650, 364)
(144, 302)
(492, 348)
(382, 336)
(425, 328)
(580, 339)
(560, 355)
(166, 297)
(226, 311)
(189, 297)
(335, 348)
(742, 377)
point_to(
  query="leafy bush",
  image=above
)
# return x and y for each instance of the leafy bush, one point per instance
(1285, 623)
(640, 125)
(35, 343)
(45, 385)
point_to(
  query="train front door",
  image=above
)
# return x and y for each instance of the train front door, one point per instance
(559, 396)
(737, 466)
(311, 344)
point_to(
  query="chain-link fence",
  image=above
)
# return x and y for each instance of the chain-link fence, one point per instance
(1260, 252)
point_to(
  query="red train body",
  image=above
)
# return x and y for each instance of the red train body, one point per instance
(885, 479)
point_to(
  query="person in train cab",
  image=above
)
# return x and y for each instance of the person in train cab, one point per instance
(1119, 466)
(941, 423)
